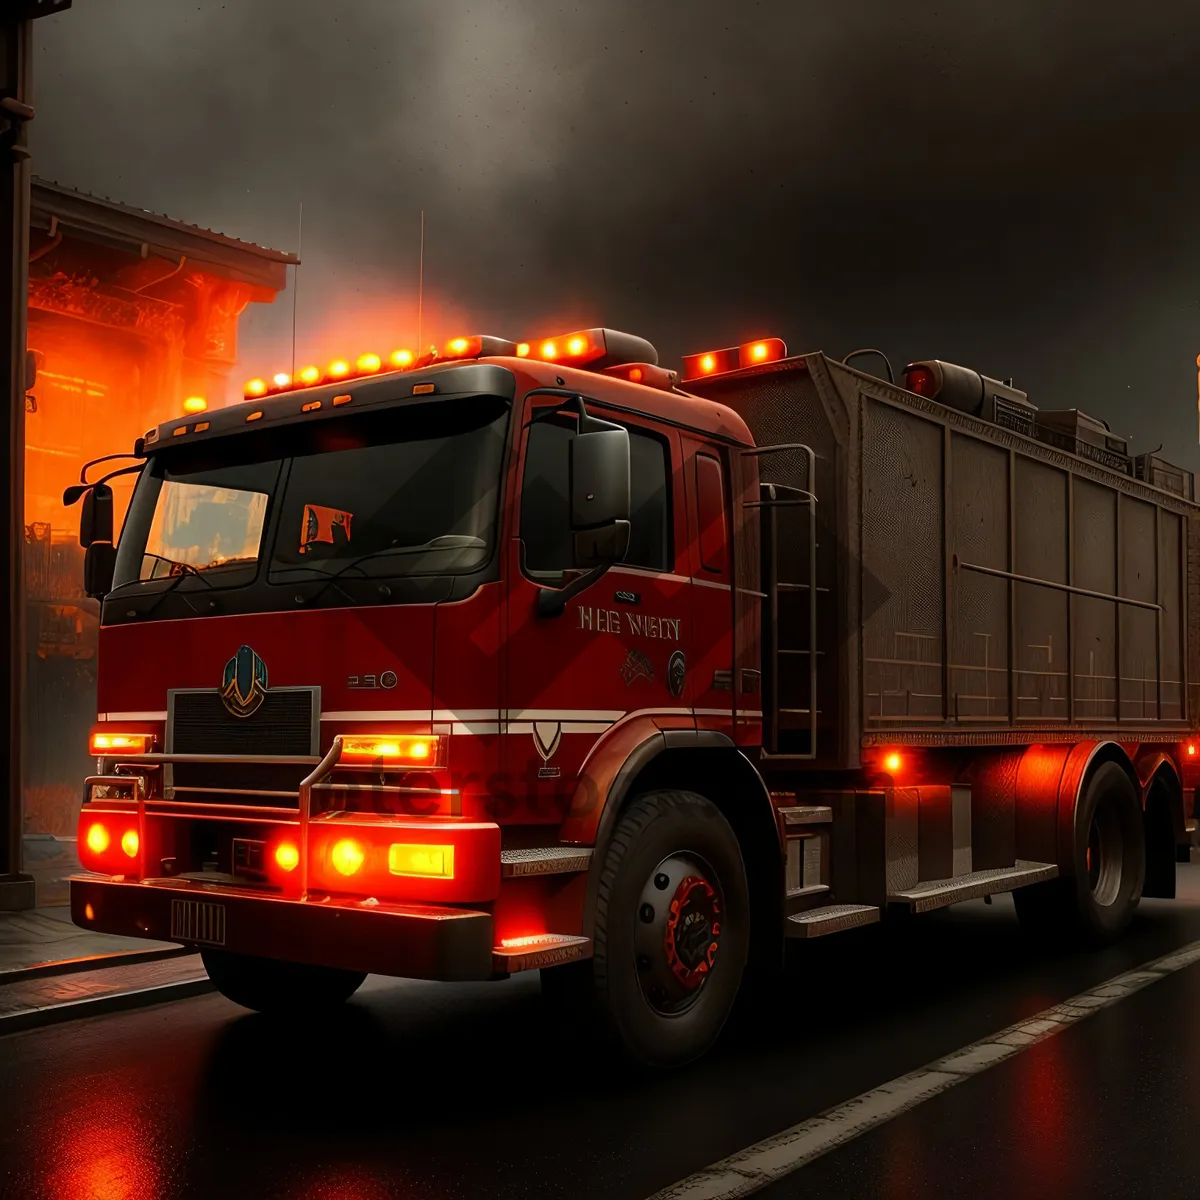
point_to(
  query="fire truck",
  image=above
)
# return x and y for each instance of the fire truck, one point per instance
(538, 655)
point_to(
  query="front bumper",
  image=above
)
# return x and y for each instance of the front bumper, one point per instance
(408, 940)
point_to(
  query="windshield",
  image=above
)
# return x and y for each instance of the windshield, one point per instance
(410, 490)
(203, 526)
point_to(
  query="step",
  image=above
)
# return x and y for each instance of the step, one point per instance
(834, 918)
(546, 860)
(538, 950)
(807, 814)
(941, 892)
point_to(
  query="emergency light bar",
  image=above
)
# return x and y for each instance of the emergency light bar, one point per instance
(733, 358)
(592, 349)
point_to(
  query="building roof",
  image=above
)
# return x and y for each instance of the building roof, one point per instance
(55, 209)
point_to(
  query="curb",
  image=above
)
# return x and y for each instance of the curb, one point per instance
(95, 962)
(54, 1014)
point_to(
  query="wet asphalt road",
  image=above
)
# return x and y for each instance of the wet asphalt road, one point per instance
(424, 1090)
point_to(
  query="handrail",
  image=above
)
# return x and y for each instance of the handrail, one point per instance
(807, 498)
(239, 759)
(323, 768)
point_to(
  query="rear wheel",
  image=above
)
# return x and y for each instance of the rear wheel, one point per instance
(270, 985)
(672, 931)
(1096, 902)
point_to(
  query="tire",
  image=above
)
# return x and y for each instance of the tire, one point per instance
(269, 985)
(1095, 902)
(672, 932)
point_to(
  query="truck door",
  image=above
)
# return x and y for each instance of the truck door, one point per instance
(622, 646)
(707, 474)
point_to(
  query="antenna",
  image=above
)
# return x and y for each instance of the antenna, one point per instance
(420, 282)
(296, 284)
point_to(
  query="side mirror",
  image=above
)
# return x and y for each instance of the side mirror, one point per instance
(599, 467)
(99, 560)
(96, 519)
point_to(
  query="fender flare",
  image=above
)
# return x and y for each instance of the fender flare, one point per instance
(621, 786)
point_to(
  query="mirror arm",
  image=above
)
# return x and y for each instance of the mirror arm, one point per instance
(552, 602)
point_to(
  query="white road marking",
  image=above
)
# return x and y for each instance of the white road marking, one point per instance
(755, 1167)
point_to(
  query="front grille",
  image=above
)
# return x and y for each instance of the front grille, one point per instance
(198, 921)
(283, 724)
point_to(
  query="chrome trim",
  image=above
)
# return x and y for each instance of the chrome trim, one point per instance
(248, 759)
(375, 787)
(217, 791)
(323, 768)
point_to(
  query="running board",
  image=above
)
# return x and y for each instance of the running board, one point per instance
(548, 860)
(538, 950)
(834, 918)
(942, 892)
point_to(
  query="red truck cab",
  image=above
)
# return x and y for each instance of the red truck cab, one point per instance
(352, 718)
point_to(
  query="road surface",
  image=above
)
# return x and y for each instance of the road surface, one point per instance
(422, 1090)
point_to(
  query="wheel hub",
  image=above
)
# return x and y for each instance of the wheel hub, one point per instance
(678, 932)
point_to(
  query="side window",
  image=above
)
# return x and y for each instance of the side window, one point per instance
(545, 495)
(710, 505)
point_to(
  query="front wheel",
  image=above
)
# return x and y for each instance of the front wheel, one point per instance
(672, 931)
(270, 985)
(1097, 900)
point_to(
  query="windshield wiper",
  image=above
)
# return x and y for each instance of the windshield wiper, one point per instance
(445, 541)
(186, 570)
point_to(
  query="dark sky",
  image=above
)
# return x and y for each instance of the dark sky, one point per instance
(1010, 184)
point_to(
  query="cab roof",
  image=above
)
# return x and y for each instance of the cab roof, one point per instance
(507, 377)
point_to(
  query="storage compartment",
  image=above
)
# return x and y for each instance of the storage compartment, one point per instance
(970, 582)
(1159, 473)
(1077, 433)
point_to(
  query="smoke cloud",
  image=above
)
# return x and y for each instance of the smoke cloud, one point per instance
(1012, 186)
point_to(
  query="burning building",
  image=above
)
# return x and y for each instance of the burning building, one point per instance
(133, 319)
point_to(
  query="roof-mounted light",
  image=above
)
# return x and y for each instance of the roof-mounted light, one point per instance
(646, 374)
(765, 350)
(733, 358)
(710, 362)
(477, 346)
(596, 349)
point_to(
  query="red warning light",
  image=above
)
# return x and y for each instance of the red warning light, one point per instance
(765, 350)
(922, 380)
(711, 362)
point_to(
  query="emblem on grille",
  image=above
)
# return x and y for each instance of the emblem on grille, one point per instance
(244, 686)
